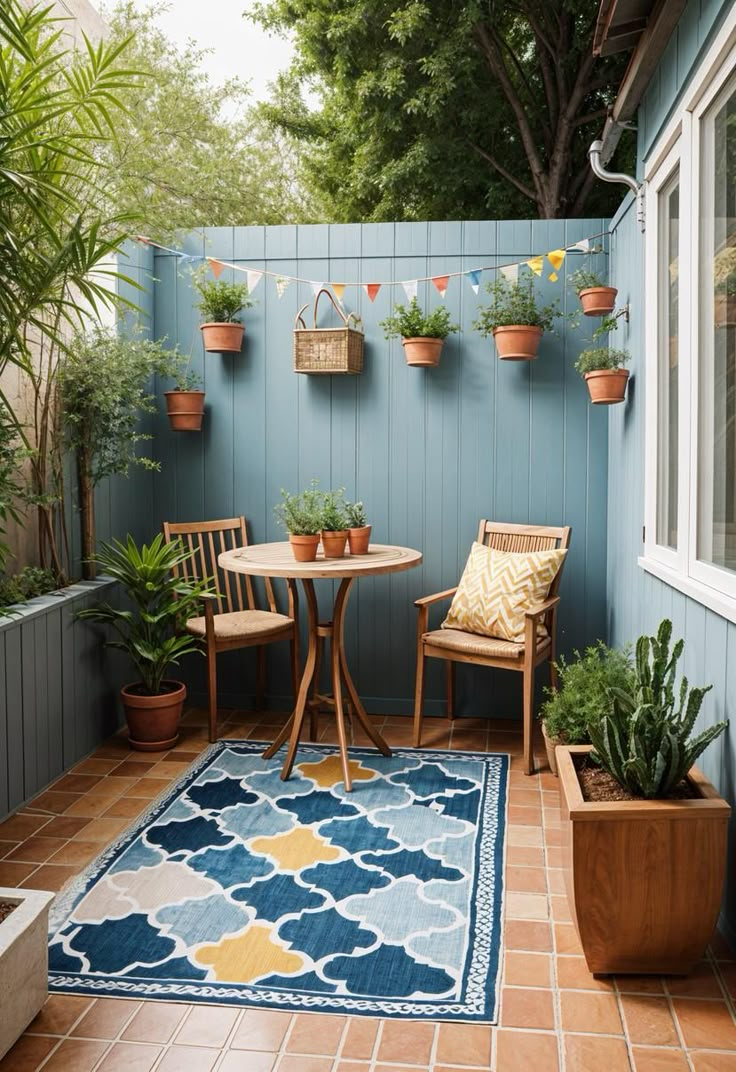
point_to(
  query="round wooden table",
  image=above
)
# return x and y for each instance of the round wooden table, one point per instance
(277, 560)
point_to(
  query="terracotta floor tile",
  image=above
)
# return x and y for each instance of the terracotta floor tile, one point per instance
(525, 816)
(59, 1014)
(76, 1055)
(527, 935)
(520, 794)
(95, 766)
(148, 788)
(401, 1068)
(199, 1059)
(555, 881)
(261, 1029)
(586, 1053)
(12, 874)
(316, 1033)
(19, 827)
(125, 808)
(527, 1008)
(353, 1066)
(104, 829)
(566, 939)
(50, 877)
(207, 1025)
(527, 969)
(524, 856)
(77, 852)
(155, 1021)
(521, 1051)
(298, 1063)
(360, 1038)
(180, 756)
(76, 783)
(712, 1062)
(649, 1020)
(640, 984)
(526, 879)
(65, 826)
(573, 974)
(596, 1013)
(720, 947)
(135, 768)
(129, 1057)
(6, 847)
(554, 856)
(464, 1044)
(700, 983)
(90, 806)
(105, 1019)
(654, 1059)
(53, 802)
(525, 836)
(27, 1054)
(405, 1042)
(36, 850)
(705, 1024)
(526, 906)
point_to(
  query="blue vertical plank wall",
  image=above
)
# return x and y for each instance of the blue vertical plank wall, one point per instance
(429, 451)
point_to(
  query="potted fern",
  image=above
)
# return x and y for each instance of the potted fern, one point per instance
(301, 516)
(185, 402)
(421, 336)
(596, 298)
(359, 532)
(644, 833)
(220, 304)
(515, 319)
(603, 370)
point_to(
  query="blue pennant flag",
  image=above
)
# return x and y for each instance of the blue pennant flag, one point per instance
(474, 278)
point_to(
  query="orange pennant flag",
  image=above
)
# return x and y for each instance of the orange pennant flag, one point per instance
(441, 281)
(339, 289)
(216, 266)
(372, 289)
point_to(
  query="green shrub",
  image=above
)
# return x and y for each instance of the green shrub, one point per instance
(583, 694)
(220, 301)
(30, 582)
(584, 279)
(301, 514)
(411, 323)
(514, 304)
(604, 357)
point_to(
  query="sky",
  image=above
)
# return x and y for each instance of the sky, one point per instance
(239, 47)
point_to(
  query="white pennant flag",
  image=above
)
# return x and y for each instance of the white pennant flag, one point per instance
(316, 288)
(510, 272)
(253, 278)
(282, 283)
(410, 288)
(583, 245)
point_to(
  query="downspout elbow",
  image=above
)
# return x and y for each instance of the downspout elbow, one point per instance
(594, 155)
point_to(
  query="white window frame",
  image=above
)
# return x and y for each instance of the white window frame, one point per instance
(679, 148)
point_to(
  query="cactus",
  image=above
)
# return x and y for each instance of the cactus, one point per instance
(644, 741)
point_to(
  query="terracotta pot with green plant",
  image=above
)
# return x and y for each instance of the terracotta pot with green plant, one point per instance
(644, 833)
(596, 298)
(603, 370)
(582, 695)
(334, 524)
(185, 403)
(149, 630)
(301, 516)
(359, 533)
(422, 336)
(219, 304)
(515, 319)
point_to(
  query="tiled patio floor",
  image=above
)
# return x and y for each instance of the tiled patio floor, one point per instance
(554, 1016)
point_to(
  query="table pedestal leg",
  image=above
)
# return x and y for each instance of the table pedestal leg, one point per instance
(293, 727)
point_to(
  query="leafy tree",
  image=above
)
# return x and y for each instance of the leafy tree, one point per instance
(433, 110)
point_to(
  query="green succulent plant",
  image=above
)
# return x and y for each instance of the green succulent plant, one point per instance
(644, 741)
(356, 515)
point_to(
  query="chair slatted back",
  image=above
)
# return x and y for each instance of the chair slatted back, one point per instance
(525, 538)
(207, 540)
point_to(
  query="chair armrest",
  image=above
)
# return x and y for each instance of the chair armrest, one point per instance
(426, 600)
(542, 608)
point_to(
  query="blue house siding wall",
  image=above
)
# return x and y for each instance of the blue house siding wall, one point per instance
(428, 451)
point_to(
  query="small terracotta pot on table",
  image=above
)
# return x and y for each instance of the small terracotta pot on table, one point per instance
(359, 540)
(334, 543)
(304, 548)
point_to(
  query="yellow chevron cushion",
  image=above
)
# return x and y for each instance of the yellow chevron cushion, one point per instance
(497, 587)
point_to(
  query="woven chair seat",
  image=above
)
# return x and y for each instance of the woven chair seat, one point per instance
(474, 644)
(243, 623)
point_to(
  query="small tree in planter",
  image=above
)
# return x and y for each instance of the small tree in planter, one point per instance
(359, 532)
(301, 516)
(596, 298)
(515, 320)
(422, 336)
(334, 524)
(603, 370)
(219, 304)
(644, 832)
(185, 401)
(151, 633)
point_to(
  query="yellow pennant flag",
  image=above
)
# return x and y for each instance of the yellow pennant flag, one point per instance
(553, 277)
(536, 264)
(339, 289)
(555, 258)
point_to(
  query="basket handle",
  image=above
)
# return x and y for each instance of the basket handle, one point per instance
(299, 322)
(335, 306)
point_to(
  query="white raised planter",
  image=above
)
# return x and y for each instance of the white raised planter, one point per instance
(24, 961)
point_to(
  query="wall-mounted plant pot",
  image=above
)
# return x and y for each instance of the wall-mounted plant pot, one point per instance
(598, 301)
(304, 548)
(359, 540)
(517, 342)
(222, 338)
(153, 721)
(724, 311)
(24, 961)
(422, 351)
(185, 410)
(334, 543)
(607, 386)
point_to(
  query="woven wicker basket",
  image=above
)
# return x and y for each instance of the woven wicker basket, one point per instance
(331, 351)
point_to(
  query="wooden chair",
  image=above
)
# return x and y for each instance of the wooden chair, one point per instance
(231, 617)
(454, 646)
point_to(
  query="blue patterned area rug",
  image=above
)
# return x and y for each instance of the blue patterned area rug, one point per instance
(238, 888)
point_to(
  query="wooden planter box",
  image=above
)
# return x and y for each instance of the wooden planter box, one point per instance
(644, 879)
(24, 961)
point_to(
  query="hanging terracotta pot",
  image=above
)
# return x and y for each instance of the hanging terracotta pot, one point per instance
(517, 342)
(153, 721)
(422, 351)
(724, 311)
(607, 386)
(333, 543)
(598, 301)
(304, 548)
(185, 410)
(359, 540)
(222, 338)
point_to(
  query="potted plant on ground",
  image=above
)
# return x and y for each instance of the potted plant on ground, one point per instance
(185, 402)
(301, 516)
(515, 320)
(359, 533)
(24, 960)
(582, 695)
(219, 305)
(150, 633)
(422, 336)
(596, 298)
(644, 833)
(334, 524)
(603, 370)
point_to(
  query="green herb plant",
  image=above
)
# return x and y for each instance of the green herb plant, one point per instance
(584, 279)
(583, 691)
(220, 301)
(30, 582)
(411, 323)
(186, 379)
(334, 513)
(644, 740)
(515, 304)
(301, 514)
(603, 357)
(356, 516)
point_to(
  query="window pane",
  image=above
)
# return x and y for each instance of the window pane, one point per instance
(668, 360)
(717, 409)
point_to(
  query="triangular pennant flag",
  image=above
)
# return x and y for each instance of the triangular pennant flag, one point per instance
(253, 278)
(216, 266)
(441, 281)
(474, 278)
(410, 288)
(555, 258)
(282, 283)
(316, 287)
(553, 277)
(372, 290)
(536, 264)
(510, 272)
(339, 289)
(583, 244)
